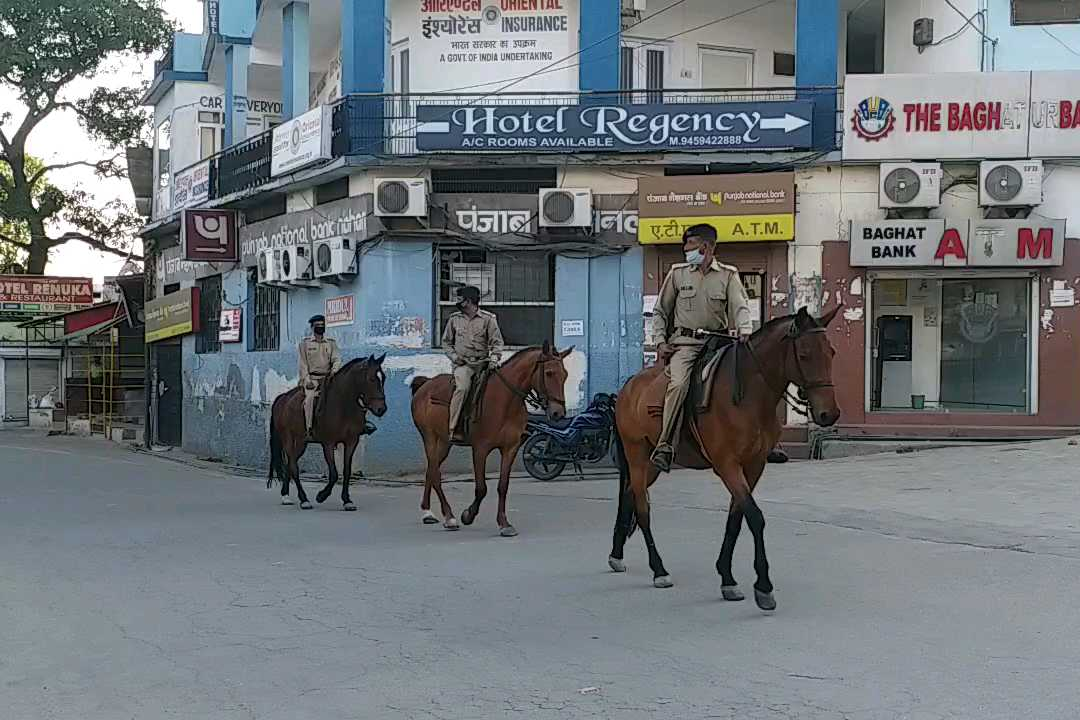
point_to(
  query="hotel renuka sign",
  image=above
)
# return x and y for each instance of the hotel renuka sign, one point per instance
(596, 127)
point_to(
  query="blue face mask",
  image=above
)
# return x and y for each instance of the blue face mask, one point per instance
(695, 257)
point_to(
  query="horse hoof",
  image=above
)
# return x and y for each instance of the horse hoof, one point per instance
(428, 518)
(731, 593)
(286, 500)
(663, 581)
(467, 517)
(765, 601)
(508, 531)
(616, 565)
(451, 524)
(321, 497)
(306, 505)
(350, 507)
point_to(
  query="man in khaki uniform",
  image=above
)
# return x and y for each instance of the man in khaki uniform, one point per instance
(471, 339)
(319, 359)
(701, 294)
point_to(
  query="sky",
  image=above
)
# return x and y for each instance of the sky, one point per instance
(60, 139)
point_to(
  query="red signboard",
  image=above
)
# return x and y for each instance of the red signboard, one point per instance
(41, 289)
(340, 310)
(209, 235)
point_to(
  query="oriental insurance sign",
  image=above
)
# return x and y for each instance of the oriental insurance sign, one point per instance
(172, 315)
(43, 295)
(754, 207)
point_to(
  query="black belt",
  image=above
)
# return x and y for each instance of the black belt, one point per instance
(687, 332)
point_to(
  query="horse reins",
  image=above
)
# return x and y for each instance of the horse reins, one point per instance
(797, 404)
(531, 394)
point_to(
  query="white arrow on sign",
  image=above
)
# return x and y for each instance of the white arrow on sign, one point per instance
(788, 123)
(433, 127)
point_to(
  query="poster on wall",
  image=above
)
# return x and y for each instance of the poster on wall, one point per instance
(340, 310)
(489, 42)
(229, 326)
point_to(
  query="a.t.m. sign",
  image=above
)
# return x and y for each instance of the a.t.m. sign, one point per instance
(592, 127)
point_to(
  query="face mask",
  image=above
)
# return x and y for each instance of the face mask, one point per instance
(320, 330)
(694, 257)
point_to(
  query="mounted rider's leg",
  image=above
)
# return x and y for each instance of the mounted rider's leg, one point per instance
(311, 393)
(463, 377)
(679, 369)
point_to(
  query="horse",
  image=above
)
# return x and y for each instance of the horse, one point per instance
(499, 423)
(732, 437)
(346, 398)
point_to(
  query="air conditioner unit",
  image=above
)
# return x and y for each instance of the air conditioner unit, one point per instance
(401, 197)
(335, 256)
(909, 185)
(1010, 182)
(268, 266)
(296, 263)
(566, 207)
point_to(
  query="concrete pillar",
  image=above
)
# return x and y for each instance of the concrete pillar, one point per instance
(599, 35)
(295, 59)
(237, 59)
(817, 40)
(363, 46)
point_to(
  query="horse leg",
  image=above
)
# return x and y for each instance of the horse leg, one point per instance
(436, 450)
(350, 449)
(331, 464)
(284, 474)
(294, 473)
(729, 589)
(479, 462)
(642, 474)
(735, 480)
(506, 457)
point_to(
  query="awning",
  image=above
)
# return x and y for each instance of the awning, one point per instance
(93, 329)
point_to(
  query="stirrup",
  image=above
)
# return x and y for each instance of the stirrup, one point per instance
(662, 458)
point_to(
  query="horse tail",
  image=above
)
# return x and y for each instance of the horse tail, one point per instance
(417, 383)
(277, 456)
(627, 514)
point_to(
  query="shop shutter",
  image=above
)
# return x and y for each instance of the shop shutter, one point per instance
(44, 376)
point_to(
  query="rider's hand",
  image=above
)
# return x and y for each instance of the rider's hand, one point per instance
(665, 351)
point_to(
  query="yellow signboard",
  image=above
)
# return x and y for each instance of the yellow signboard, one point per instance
(729, 228)
(171, 315)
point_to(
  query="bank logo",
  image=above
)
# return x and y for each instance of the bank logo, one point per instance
(873, 119)
(294, 139)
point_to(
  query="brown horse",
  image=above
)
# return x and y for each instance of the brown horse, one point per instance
(347, 396)
(500, 423)
(732, 439)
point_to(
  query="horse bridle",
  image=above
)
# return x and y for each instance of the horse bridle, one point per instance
(531, 395)
(362, 401)
(797, 403)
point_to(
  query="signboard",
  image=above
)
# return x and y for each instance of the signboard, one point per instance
(340, 310)
(961, 243)
(229, 325)
(301, 142)
(213, 17)
(1055, 114)
(191, 186)
(350, 217)
(172, 315)
(939, 117)
(743, 208)
(209, 235)
(255, 106)
(623, 128)
(42, 294)
(489, 44)
(573, 328)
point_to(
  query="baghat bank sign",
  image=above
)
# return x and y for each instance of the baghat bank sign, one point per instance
(962, 115)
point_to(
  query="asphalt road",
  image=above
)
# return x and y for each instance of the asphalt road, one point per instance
(132, 587)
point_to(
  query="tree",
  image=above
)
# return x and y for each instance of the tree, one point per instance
(45, 47)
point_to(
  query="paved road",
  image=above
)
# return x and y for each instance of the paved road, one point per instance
(922, 586)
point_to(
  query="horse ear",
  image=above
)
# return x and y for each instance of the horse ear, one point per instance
(828, 317)
(803, 319)
(546, 349)
(565, 353)
(379, 360)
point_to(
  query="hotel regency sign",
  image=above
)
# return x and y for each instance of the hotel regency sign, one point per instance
(743, 208)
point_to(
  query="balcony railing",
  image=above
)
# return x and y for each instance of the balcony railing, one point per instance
(387, 125)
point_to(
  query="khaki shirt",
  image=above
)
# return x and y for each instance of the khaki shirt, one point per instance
(471, 341)
(714, 301)
(318, 357)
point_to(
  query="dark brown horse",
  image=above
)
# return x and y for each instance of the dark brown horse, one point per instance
(500, 424)
(347, 396)
(732, 439)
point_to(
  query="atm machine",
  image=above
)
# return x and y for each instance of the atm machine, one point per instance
(894, 363)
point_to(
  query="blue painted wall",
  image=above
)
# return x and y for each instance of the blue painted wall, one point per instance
(237, 19)
(817, 46)
(1030, 47)
(187, 52)
(598, 36)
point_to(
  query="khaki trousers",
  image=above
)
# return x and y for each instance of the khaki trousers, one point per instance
(463, 377)
(679, 369)
(311, 394)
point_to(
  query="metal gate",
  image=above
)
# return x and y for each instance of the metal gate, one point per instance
(44, 376)
(170, 394)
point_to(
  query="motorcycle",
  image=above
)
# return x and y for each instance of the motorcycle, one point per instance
(585, 438)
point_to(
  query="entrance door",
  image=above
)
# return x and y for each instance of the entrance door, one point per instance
(170, 395)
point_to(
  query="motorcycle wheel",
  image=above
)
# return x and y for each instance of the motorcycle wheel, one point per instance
(534, 455)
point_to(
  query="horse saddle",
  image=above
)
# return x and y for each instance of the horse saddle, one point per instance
(703, 377)
(470, 411)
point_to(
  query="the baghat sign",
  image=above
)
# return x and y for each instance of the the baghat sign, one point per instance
(172, 315)
(742, 208)
(961, 243)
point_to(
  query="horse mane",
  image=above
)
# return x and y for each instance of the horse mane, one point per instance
(522, 351)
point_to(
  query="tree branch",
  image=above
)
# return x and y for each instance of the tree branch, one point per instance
(101, 166)
(95, 244)
(12, 241)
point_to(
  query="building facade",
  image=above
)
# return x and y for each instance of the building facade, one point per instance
(514, 145)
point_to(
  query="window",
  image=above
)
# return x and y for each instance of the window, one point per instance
(519, 287)
(264, 211)
(266, 315)
(207, 340)
(865, 40)
(211, 133)
(643, 66)
(951, 345)
(1045, 12)
(331, 191)
(783, 64)
(525, 181)
(723, 69)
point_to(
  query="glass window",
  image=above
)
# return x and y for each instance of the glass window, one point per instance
(723, 69)
(1045, 12)
(207, 142)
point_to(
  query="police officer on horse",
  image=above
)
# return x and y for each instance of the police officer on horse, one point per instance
(319, 359)
(471, 339)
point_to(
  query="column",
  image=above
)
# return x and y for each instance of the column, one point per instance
(817, 40)
(599, 37)
(363, 70)
(295, 59)
(237, 59)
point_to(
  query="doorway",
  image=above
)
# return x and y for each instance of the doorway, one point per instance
(170, 394)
